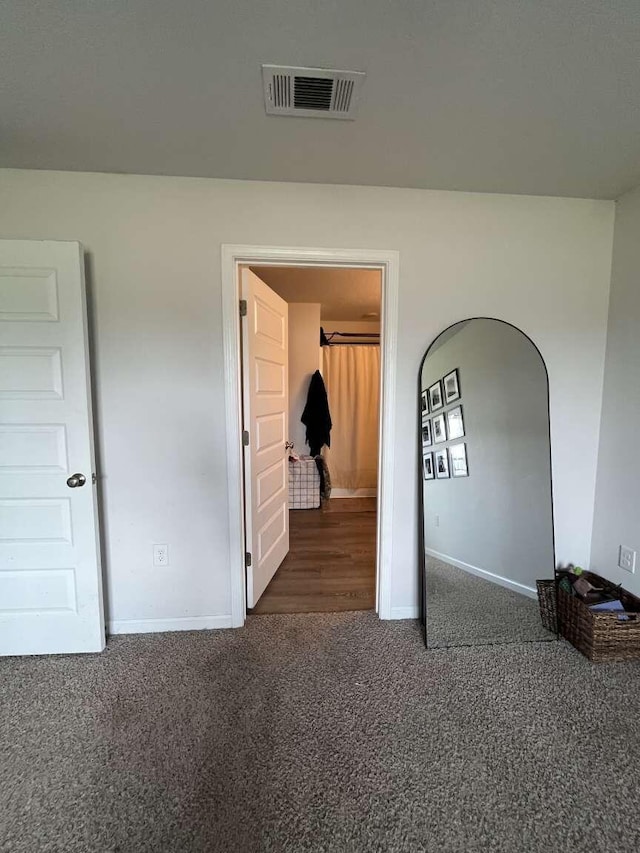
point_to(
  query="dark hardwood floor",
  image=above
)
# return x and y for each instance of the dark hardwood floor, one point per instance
(331, 564)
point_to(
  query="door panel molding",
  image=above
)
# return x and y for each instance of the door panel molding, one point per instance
(235, 256)
(266, 395)
(51, 599)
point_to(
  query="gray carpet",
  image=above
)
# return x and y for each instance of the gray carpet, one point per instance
(323, 732)
(466, 610)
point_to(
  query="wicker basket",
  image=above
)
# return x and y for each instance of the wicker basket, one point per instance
(547, 603)
(601, 636)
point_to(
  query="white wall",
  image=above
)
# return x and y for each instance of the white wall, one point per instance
(498, 519)
(304, 360)
(617, 504)
(154, 256)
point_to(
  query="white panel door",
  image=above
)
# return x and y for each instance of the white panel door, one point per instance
(50, 581)
(266, 405)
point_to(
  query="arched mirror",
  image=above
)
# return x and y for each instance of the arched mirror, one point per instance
(485, 486)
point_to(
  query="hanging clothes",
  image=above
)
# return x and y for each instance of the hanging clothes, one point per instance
(316, 416)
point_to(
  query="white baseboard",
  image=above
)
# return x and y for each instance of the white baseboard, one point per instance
(530, 592)
(152, 626)
(353, 493)
(411, 612)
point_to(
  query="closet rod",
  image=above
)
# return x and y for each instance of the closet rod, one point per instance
(371, 339)
(354, 334)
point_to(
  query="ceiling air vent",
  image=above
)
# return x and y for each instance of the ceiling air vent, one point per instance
(311, 92)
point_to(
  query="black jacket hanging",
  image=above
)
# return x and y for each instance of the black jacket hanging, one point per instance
(316, 416)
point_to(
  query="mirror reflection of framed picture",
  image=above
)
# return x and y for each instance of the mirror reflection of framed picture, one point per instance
(427, 466)
(455, 423)
(439, 429)
(451, 383)
(426, 433)
(442, 464)
(424, 405)
(458, 454)
(435, 396)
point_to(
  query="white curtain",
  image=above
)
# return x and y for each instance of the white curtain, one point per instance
(352, 379)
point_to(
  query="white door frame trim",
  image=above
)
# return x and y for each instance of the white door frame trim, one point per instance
(388, 262)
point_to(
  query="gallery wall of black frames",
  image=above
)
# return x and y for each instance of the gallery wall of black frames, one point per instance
(443, 423)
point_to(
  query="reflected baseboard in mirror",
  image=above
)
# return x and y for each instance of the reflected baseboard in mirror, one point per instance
(485, 488)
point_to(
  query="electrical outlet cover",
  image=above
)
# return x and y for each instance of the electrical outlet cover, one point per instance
(160, 555)
(627, 559)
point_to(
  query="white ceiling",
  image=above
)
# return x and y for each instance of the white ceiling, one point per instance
(343, 294)
(515, 96)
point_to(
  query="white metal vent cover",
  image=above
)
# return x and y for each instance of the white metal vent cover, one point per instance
(311, 92)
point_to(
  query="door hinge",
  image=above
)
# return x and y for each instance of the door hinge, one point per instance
(94, 479)
(245, 437)
(243, 307)
(247, 559)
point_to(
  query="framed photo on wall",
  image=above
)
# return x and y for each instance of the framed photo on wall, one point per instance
(442, 464)
(455, 423)
(426, 433)
(427, 466)
(439, 429)
(424, 405)
(451, 383)
(458, 454)
(435, 396)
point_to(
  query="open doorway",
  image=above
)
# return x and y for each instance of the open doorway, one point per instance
(233, 258)
(333, 324)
